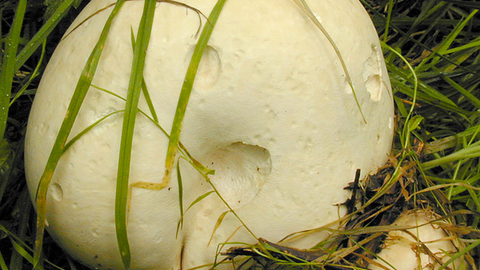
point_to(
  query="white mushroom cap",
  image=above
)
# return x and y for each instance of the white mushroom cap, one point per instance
(404, 251)
(271, 111)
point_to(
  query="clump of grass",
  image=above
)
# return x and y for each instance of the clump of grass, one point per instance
(435, 163)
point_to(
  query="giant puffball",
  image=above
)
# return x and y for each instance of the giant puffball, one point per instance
(271, 111)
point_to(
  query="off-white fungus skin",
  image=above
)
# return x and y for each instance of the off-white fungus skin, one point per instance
(271, 111)
(402, 251)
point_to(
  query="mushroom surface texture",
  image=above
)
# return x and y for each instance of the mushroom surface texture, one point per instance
(424, 246)
(271, 111)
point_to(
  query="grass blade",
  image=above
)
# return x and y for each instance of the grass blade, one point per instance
(79, 94)
(145, 91)
(131, 110)
(443, 47)
(471, 151)
(43, 33)
(187, 89)
(469, 4)
(304, 6)
(34, 74)
(3, 265)
(460, 253)
(217, 224)
(406, 132)
(470, 97)
(24, 207)
(81, 133)
(8, 71)
(180, 198)
(200, 198)
(148, 99)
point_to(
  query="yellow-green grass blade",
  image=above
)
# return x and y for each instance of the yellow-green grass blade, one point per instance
(430, 11)
(474, 44)
(403, 81)
(207, 178)
(388, 20)
(24, 207)
(131, 110)
(8, 64)
(5, 153)
(154, 121)
(80, 134)
(79, 94)
(433, 58)
(471, 151)
(405, 137)
(187, 86)
(3, 265)
(180, 198)
(468, 4)
(18, 245)
(475, 101)
(380, 20)
(23, 249)
(23, 252)
(43, 33)
(148, 99)
(217, 224)
(197, 200)
(145, 91)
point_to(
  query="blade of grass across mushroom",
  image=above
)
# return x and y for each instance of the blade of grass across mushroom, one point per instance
(197, 200)
(187, 86)
(205, 172)
(131, 110)
(305, 8)
(7, 71)
(180, 198)
(145, 91)
(187, 156)
(81, 133)
(79, 94)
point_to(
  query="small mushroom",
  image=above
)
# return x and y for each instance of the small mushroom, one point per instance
(424, 246)
(271, 111)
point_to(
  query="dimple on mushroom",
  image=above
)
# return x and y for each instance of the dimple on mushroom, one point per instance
(272, 112)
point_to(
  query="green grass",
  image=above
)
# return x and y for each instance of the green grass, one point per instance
(432, 53)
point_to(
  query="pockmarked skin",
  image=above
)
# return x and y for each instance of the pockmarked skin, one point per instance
(271, 112)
